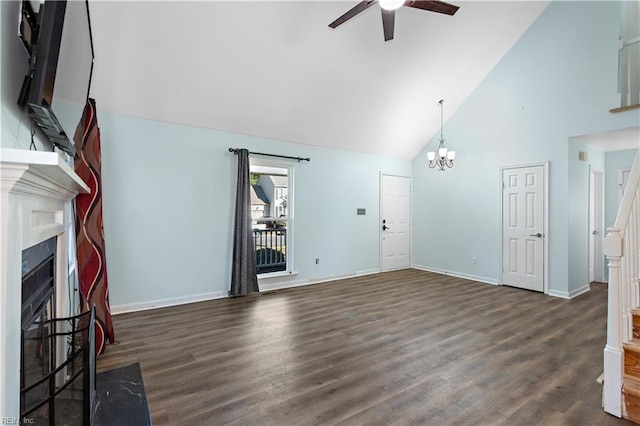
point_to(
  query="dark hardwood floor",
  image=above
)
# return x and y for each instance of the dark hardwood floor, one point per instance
(404, 347)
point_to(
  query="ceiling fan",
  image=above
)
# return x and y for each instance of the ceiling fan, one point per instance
(388, 8)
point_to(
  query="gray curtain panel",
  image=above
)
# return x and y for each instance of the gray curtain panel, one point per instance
(243, 274)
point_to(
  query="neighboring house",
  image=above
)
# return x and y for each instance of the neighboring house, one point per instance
(276, 187)
(260, 205)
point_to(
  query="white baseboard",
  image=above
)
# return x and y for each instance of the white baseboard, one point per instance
(278, 285)
(274, 285)
(367, 272)
(579, 291)
(570, 294)
(299, 283)
(560, 294)
(457, 274)
(164, 303)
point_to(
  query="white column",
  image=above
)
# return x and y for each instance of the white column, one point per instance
(11, 226)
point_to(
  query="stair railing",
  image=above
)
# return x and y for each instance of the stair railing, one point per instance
(622, 248)
(629, 73)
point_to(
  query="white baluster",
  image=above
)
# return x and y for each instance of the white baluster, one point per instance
(632, 248)
(636, 252)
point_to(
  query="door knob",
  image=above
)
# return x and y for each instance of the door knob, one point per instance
(385, 227)
(536, 235)
(594, 232)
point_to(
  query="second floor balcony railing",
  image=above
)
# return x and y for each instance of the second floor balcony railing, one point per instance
(629, 73)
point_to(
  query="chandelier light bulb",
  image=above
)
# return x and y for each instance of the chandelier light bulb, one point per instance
(391, 4)
(451, 155)
(442, 152)
(431, 155)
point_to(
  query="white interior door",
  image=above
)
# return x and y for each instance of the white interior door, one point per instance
(523, 227)
(396, 222)
(596, 206)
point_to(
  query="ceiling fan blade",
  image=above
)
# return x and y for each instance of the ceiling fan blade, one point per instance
(388, 21)
(433, 6)
(360, 7)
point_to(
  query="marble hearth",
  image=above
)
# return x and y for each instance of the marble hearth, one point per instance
(35, 205)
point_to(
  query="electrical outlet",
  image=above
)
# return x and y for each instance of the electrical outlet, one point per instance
(474, 260)
(317, 260)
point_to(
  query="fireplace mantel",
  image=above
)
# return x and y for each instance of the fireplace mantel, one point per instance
(39, 173)
(35, 204)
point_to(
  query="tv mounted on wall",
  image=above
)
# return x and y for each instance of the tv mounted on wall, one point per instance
(61, 65)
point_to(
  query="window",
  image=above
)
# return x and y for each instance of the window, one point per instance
(272, 214)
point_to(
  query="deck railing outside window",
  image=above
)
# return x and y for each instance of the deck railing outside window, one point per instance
(271, 250)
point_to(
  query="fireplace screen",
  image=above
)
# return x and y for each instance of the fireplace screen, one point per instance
(37, 351)
(37, 359)
(63, 395)
(53, 391)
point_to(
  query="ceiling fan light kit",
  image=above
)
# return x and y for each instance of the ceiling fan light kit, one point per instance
(388, 9)
(391, 4)
(444, 157)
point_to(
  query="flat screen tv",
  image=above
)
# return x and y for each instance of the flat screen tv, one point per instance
(61, 65)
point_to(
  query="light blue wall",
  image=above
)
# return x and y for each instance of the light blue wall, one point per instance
(614, 161)
(559, 80)
(578, 225)
(168, 206)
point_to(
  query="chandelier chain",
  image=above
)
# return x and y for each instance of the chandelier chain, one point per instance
(441, 117)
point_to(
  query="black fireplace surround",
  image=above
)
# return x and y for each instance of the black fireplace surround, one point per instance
(52, 392)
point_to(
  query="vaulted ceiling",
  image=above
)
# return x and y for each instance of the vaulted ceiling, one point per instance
(276, 70)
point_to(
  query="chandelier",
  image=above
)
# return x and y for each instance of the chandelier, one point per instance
(444, 156)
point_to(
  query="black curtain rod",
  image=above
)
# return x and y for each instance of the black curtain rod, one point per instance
(235, 151)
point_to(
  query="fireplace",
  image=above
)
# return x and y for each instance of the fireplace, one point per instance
(35, 214)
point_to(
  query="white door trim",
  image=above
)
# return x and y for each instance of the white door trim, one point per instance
(545, 240)
(595, 260)
(380, 213)
(621, 183)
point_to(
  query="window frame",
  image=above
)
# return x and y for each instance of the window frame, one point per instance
(290, 218)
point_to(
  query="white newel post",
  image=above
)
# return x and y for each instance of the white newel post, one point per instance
(36, 192)
(613, 366)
